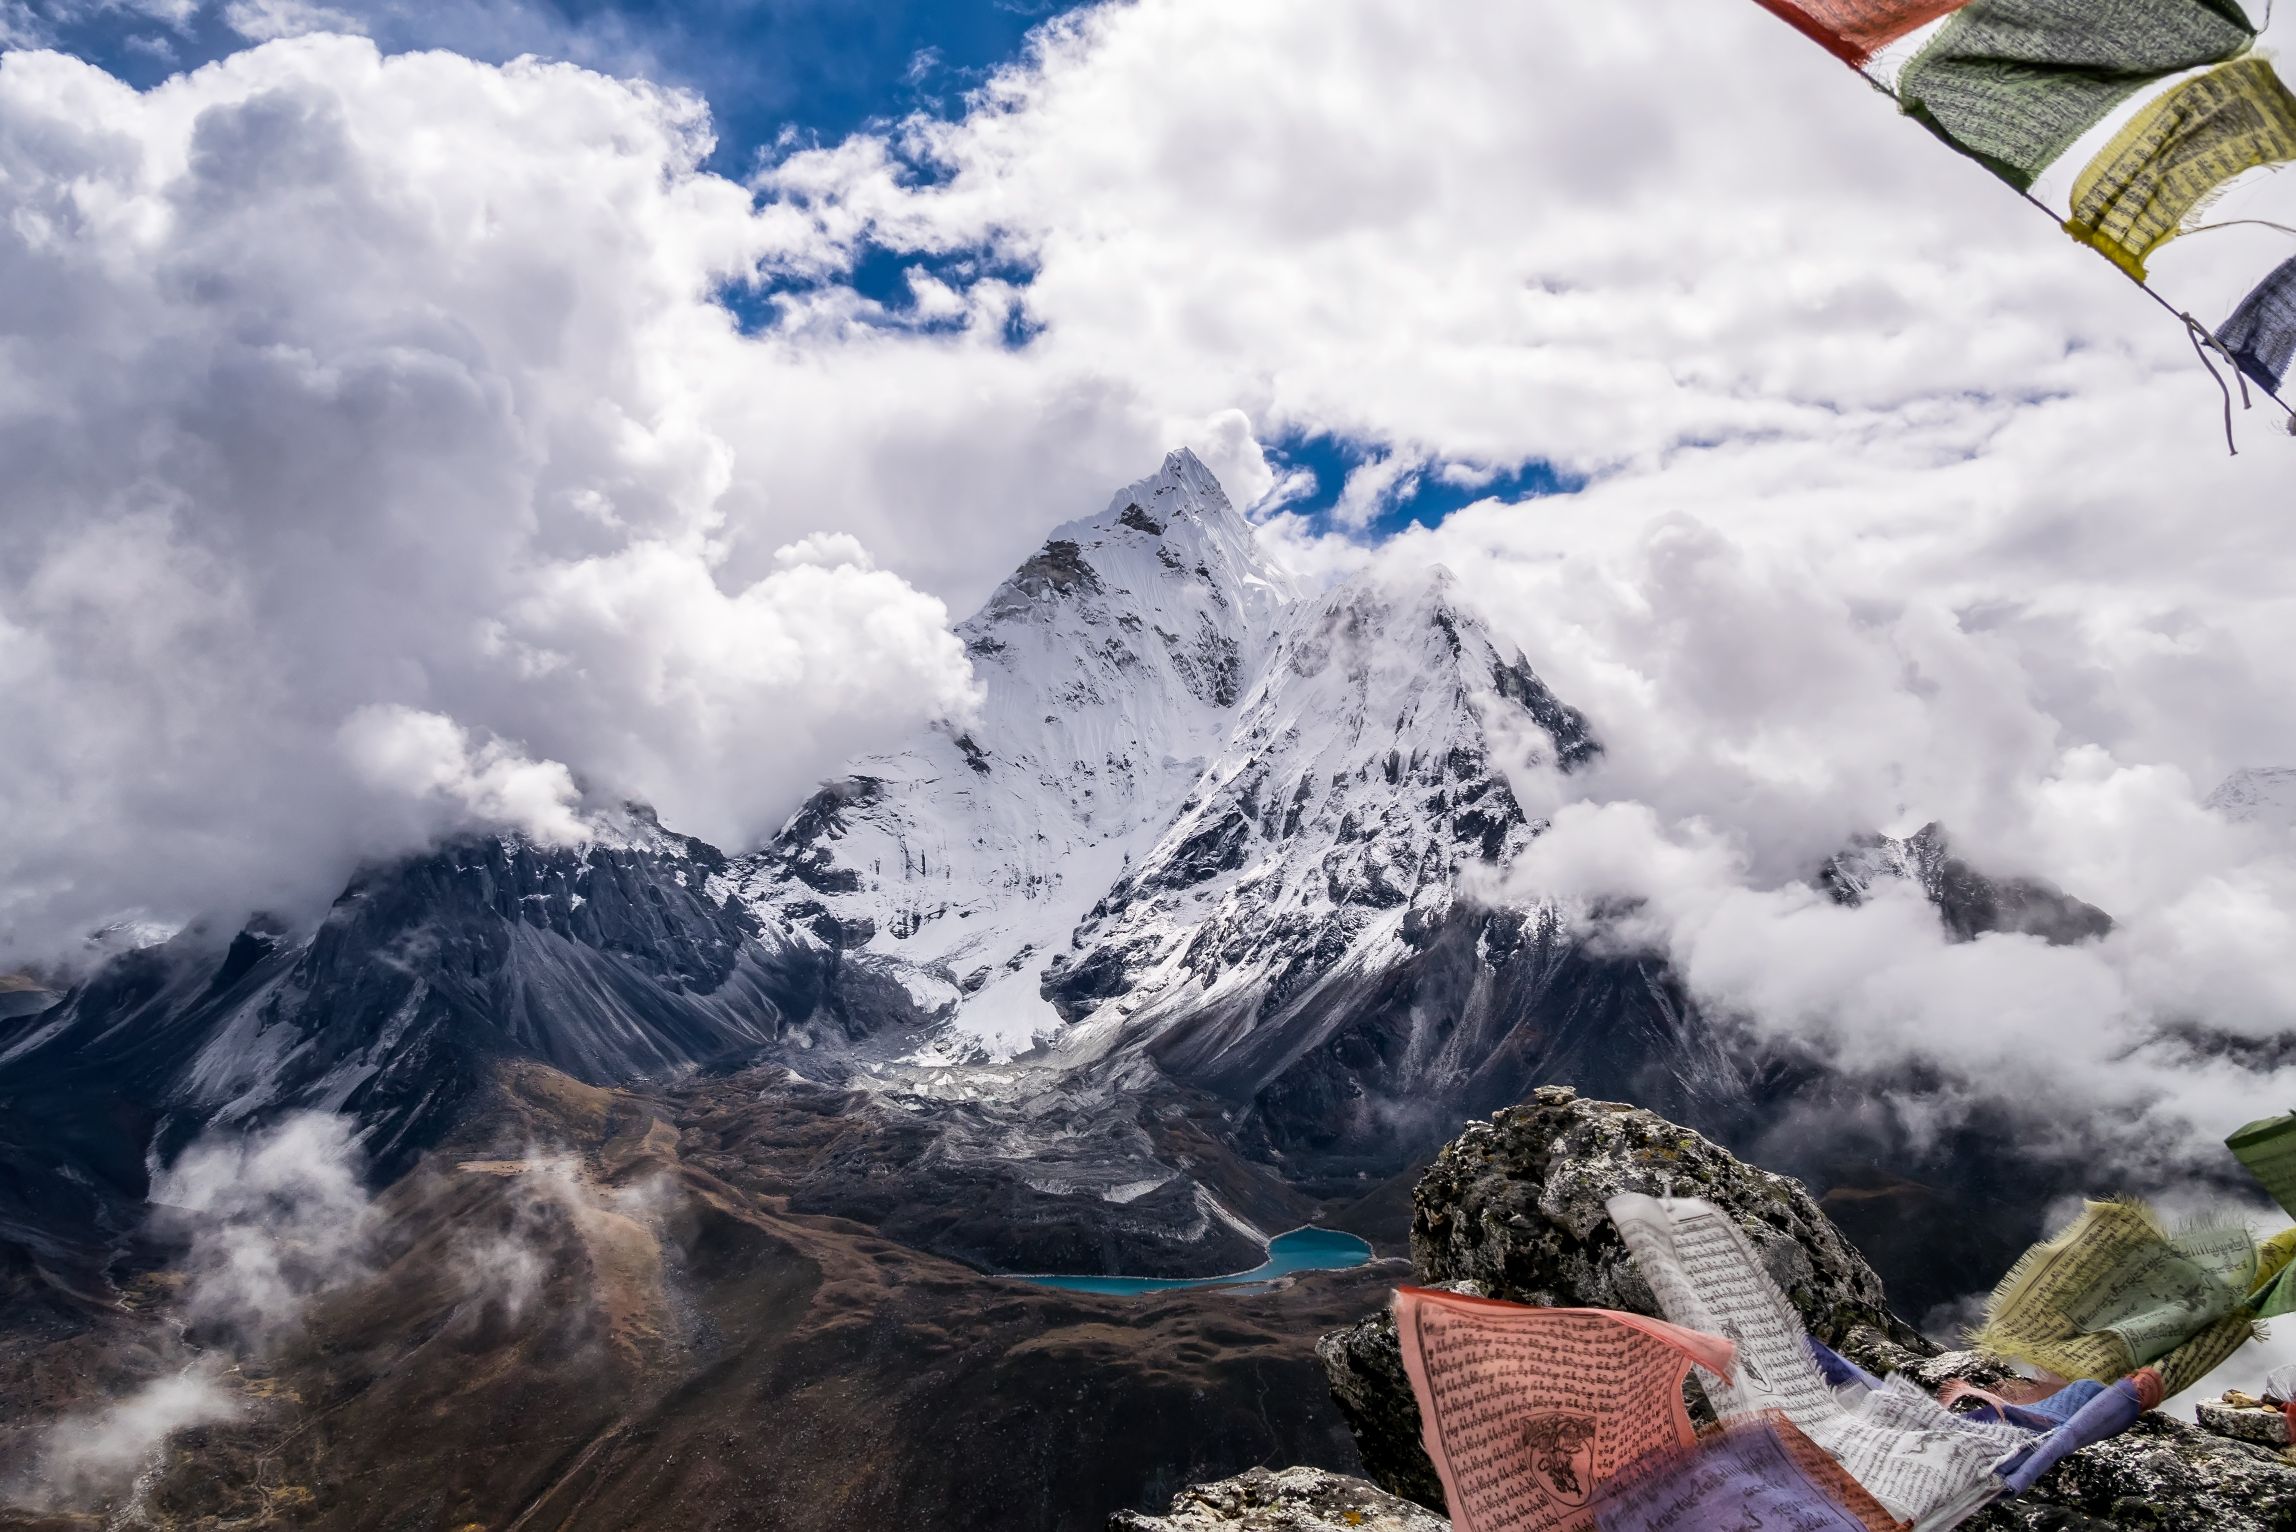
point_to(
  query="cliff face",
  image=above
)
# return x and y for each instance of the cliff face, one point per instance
(1513, 1209)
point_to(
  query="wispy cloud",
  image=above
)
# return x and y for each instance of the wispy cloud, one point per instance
(268, 1224)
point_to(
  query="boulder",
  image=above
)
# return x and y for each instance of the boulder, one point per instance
(1365, 1365)
(1290, 1500)
(1517, 1206)
(1513, 1209)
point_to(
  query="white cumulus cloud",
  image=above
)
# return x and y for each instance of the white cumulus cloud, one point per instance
(366, 481)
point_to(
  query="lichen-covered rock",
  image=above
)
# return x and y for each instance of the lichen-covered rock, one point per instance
(1517, 1204)
(1514, 1209)
(2163, 1475)
(1292, 1500)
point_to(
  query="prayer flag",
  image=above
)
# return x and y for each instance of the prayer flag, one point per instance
(1760, 1473)
(2167, 159)
(2105, 1414)
(2014, 83)
(2261, 335)
(2114, 1291)
(1918, 1459)
(2274, 1292)
(2268, 1147)
(1527, 1411)
(1852, 29)
(2043, 1414)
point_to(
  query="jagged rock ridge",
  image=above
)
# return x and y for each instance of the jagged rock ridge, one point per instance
(1209, 830)
(1970, 903)
(1208, 878)
(611, 961)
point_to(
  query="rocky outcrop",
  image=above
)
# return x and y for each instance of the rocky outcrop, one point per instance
(2244, 1420)
(1513, 1209)
(1293, 1500)
(1517, 1206)
(1365, 1365)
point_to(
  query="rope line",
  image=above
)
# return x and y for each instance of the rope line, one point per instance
(2193, 327)
(2193, 333)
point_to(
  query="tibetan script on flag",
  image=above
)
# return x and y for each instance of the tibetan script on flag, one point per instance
(1920, 1461)
(1526, 1411)
(2115, 1291)
(2014, 83)
(1762, 1473)
(2164, 163)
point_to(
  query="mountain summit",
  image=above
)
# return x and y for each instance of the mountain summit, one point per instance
(1112, 663)
(1209, 829)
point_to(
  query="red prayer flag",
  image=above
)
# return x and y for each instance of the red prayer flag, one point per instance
(1853, 30)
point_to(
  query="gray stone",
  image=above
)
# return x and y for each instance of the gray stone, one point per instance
(1289, 1500)
(2265, 1425)
(1365, 1365)
(2163, 1475)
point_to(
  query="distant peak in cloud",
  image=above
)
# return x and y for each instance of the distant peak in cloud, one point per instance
(2263, 795)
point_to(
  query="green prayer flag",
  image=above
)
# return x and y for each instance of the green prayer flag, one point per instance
(2268, 1148)
(2275, 1292)
(2013, 83)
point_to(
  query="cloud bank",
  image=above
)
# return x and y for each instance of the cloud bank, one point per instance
(361, 486)
(1765, 699)
(269, 1221)
(89, 1457)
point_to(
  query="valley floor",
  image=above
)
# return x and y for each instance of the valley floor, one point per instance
(690, 1350)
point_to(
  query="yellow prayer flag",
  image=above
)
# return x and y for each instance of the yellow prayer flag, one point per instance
(2115, 1291)
(2167, 160)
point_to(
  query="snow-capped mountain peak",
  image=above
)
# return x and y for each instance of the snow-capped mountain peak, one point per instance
(2264, 795)
(1189, 793)
(1110, 663)
(1168, 583)
(1363, 785)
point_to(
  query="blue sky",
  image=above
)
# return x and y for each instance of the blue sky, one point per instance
(820, 67)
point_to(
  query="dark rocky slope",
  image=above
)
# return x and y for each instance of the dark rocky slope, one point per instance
(692, 1354)
(609, 962)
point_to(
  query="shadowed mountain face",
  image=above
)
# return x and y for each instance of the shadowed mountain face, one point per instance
(1186, 911)
(1186, 924)
(612, 962)
(1210, 834)
(1970, 903)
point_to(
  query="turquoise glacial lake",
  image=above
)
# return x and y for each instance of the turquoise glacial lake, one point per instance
(1300, 1250)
